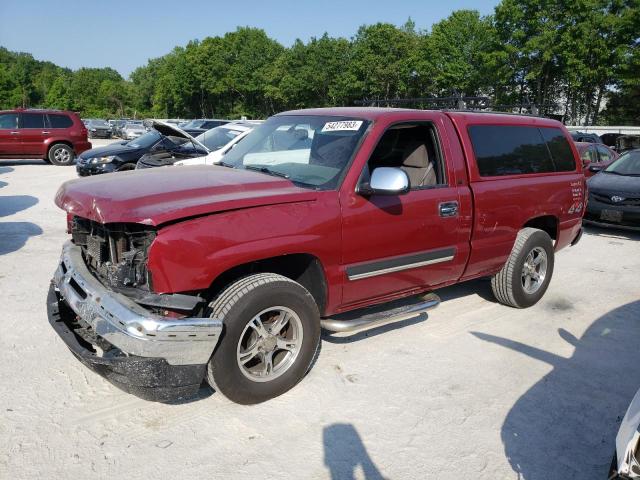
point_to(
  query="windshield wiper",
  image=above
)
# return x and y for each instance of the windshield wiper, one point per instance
(261, 169)
(223, 164)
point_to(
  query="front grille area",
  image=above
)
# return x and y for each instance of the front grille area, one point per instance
(116, 253)
(628, 201)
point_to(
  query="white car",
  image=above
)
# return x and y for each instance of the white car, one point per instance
(133, 130)
(219, 141)
(626, 463)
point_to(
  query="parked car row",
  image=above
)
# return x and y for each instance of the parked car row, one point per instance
(615, 141)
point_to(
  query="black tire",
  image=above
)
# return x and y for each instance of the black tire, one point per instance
(237, 305)
(61, 154)
(507, 284)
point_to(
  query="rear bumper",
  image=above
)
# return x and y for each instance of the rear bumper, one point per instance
(151, 356)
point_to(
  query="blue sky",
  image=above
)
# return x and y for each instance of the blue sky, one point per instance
(125, 34)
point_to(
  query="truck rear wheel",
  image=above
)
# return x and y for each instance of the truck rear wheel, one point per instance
(270, 338)
(525, 277)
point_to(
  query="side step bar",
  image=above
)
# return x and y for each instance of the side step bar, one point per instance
(375, 317)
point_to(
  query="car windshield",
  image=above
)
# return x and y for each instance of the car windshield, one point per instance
(311, 150)
(218, 137)
(627, 164)
(145, 141)
(99, 123)
(193, 124)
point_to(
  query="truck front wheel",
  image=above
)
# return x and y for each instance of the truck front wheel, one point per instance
(270, 338)
(525, 277)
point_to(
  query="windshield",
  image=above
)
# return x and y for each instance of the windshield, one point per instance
(218, 137)
(627, 164)
(310, 150)
(145, 141)
(193, 124)
(99, 123)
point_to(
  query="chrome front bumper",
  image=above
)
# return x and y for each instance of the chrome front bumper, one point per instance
(127, 325)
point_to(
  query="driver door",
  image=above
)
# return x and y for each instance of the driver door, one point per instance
(402, 243)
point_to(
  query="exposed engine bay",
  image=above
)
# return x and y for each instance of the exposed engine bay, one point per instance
(116, 253)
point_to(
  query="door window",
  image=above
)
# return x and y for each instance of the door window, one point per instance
(414, 148)
(8, 121)
(589, 155)
(604, 154)
(32, 120)
(57, 120)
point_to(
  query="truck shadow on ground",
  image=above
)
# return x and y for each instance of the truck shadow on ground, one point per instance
(10, 204)
(565, 425)
(344, 453)
(612, 232)
(480, 287)
(14, 235)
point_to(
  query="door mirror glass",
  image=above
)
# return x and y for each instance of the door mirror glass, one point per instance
(386, 181)
(595, 168)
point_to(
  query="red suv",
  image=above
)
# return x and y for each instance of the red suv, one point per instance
(53, 135)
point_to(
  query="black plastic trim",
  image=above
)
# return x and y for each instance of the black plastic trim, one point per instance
(399, 262)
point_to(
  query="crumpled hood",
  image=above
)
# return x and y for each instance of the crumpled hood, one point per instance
(611, 183)
(157, 196)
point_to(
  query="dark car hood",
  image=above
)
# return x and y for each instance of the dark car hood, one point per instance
(111, 149)
(153, 197)
(611, 183)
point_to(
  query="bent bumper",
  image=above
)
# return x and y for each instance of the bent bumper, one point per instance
(141, 351)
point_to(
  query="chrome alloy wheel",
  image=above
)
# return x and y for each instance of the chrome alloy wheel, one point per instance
(62, 155)
(534, 270)
(269, 344)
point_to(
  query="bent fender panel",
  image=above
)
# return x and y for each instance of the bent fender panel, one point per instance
(190, 255)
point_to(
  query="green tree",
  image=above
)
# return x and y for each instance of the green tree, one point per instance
(456, 54)
(381, 65)
(312, 74)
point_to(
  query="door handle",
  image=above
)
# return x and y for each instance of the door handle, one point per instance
(448, 209)
(15, 133)
(45, 132)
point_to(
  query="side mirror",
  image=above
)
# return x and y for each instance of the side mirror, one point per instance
(595, 168)
(585, 162)
(386, 181)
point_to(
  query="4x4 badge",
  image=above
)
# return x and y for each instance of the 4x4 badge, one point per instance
(617, 199)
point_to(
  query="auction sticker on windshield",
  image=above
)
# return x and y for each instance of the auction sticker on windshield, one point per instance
(342, 125)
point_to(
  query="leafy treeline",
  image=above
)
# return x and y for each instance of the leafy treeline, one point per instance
(579, 59)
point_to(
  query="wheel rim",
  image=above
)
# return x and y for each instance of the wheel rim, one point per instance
(61, 155)
(270, 344)
(534, 270)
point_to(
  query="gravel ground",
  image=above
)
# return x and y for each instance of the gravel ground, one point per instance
(476, 390)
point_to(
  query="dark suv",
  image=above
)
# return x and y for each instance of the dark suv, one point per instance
(53, 135)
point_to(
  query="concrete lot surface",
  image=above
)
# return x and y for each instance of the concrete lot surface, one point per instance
(476, 390)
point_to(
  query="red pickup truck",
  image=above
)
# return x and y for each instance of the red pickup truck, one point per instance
(341, 218)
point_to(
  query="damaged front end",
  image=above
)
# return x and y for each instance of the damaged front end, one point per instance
(102, 304)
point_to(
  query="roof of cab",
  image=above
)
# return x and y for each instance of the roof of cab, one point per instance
(458, 116)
